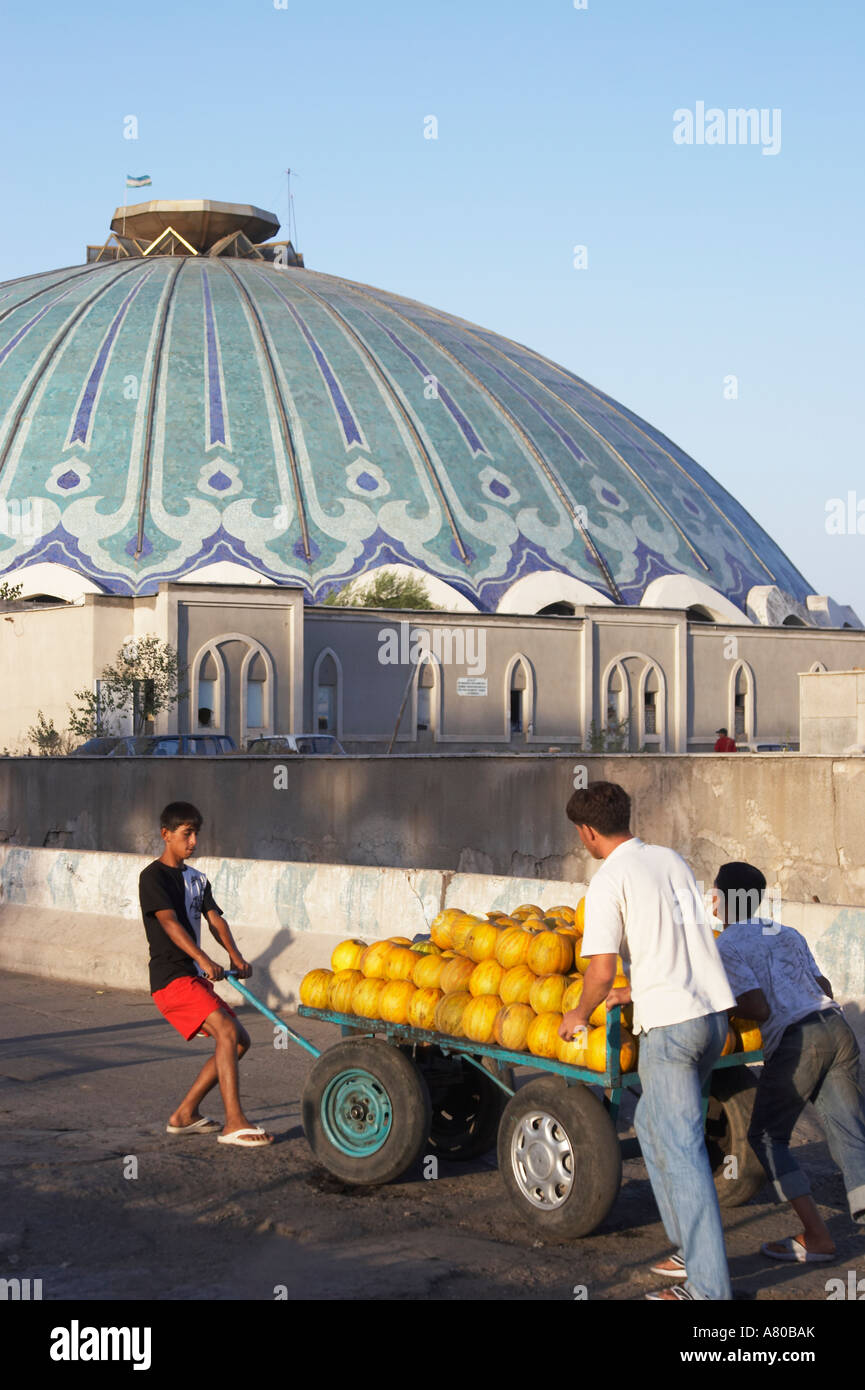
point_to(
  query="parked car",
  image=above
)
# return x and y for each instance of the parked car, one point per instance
(95, 747)
(276, 744)
(159, 746)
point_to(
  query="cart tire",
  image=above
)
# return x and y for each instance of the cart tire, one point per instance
(467, 1105)
(731, 1101)
(366, 1111)
(559, 1158)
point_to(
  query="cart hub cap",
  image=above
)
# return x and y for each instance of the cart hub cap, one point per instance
(356, 1112)
(542, 1160)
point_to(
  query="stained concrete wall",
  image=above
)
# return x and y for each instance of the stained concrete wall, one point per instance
(75, 916)
(802, 820)
(832, 711)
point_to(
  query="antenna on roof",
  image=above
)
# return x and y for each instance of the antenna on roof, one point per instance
(291, 208)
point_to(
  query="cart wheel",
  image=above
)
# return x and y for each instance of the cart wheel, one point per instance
(366, 1111)
(729, 1114)
(467, 1105)
(559, 1158)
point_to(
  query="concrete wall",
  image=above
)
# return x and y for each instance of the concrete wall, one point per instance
(802, 820)
(832, 711)
(288, 917)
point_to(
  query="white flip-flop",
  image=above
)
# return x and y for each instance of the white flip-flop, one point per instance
(202, 1126)
(794, 1252)
(237, 1137)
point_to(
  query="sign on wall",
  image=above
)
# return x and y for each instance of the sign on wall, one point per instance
(471, 685)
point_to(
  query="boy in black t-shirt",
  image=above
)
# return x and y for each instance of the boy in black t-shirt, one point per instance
(173, 895)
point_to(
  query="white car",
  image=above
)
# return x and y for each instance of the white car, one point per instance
(276, 744)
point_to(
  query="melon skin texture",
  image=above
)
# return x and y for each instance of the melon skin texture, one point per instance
(346, 956)
(479, 1017)
(547, 993)
(543, 1034)
(400, 963)
(373, 962)
(365, 998)
(456, 975)
(314, 988)
(341, 989)
(551, 953)
(485, 979)
(512, 947)
(449, 1013)
(395, 999)
(516, 985)
(481, 941)
(422, 1008)
(512, 1025)
(428, 972)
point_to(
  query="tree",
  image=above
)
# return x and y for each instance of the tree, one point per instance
(385, 590)
(611, 739)
(143, 681)
(9, 592)
(49, 741)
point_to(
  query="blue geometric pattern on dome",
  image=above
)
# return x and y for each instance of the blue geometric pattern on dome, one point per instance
(171, 412)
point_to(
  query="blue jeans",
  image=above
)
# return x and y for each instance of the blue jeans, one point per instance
(674, 1063)
(817, 1059)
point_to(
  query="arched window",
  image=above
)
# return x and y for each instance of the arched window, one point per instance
(741, 721)
(233, 677)
(327, 693)
(698, 614)
(818, 666)
(207, 696)
(519, 699)
(426, 696)
(256, 676)
(793, 620)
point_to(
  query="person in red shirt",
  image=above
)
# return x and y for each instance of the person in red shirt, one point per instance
(724, 744)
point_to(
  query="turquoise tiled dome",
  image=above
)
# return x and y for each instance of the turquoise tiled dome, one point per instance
(170, 412)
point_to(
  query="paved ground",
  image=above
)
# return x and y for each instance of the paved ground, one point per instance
(88, 1078)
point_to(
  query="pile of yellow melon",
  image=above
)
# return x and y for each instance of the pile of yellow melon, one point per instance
(504, 979)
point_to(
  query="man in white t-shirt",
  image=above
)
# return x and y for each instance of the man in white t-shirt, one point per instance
(811, 1054)
(644, 905)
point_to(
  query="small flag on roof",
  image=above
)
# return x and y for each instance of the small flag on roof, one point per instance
(142, 181)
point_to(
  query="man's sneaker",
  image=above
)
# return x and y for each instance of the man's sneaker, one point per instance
(677, 1272)
(679, 1292)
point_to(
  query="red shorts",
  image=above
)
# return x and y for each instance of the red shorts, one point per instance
(187, 1002)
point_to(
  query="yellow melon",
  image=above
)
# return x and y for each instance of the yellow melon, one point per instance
(449, 1013)
(566, 912)
(395, 999)
(551, 954)
(442, 925)
(346, 956)
(373, 962)
(341, 989)
(512, 947)
(485, 979)
(512, 1025)
(543, 1034)
(427, 973)
(580, 916)
(314, 988)
(527, 910)
(496, 916)
(574, 1052)
(571, 996)
(480, 1016)
(422, 1008)
(456, 975)
(596, 1050)
(461, 929)
(399, 940)
(425, 948)
(748, 1035)
(516, 985)
(729, 1043)
(600, 1014)
(400, 963)
(365, 997)
(481, 941)
(547, 993)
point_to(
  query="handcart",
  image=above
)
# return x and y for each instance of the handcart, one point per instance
(387, 1094)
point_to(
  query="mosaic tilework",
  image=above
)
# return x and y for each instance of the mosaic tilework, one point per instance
(311, 429)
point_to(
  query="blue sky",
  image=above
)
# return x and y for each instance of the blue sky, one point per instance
(555, 129)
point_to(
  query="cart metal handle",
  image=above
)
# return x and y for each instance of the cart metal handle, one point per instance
(231, 976)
